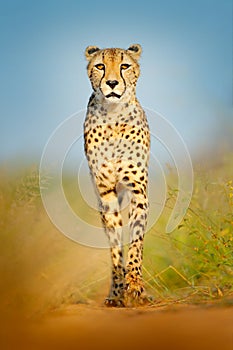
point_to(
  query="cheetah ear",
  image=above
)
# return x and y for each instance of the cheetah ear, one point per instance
(135, 51)
(90, 52)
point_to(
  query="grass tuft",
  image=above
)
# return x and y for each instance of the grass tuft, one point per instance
(197, 257)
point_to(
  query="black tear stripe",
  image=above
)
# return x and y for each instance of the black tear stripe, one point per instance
(101, 80)
(123, 81)
(103, 71)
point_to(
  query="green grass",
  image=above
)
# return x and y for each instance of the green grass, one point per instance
(41, 269)
(196, 260)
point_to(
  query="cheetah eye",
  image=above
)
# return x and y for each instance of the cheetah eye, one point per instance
(100, 66)
(125, 66)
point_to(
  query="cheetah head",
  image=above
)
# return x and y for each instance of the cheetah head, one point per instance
(114, 72)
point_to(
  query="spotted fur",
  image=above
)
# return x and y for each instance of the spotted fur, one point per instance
(117, 144)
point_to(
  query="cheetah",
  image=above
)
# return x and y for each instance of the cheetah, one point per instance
(117, 146)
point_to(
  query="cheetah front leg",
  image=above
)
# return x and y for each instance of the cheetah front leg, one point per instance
(112, 222)
(135, 291)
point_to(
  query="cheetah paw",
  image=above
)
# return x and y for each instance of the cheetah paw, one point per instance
(135, 294)
(109, 302)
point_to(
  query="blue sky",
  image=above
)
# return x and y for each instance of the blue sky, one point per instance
(186, 65)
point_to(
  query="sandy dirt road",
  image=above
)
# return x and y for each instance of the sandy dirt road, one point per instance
(95, 327)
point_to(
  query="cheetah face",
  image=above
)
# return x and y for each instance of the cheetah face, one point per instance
(113, 72)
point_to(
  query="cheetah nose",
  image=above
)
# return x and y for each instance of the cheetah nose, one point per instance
(112, 83)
